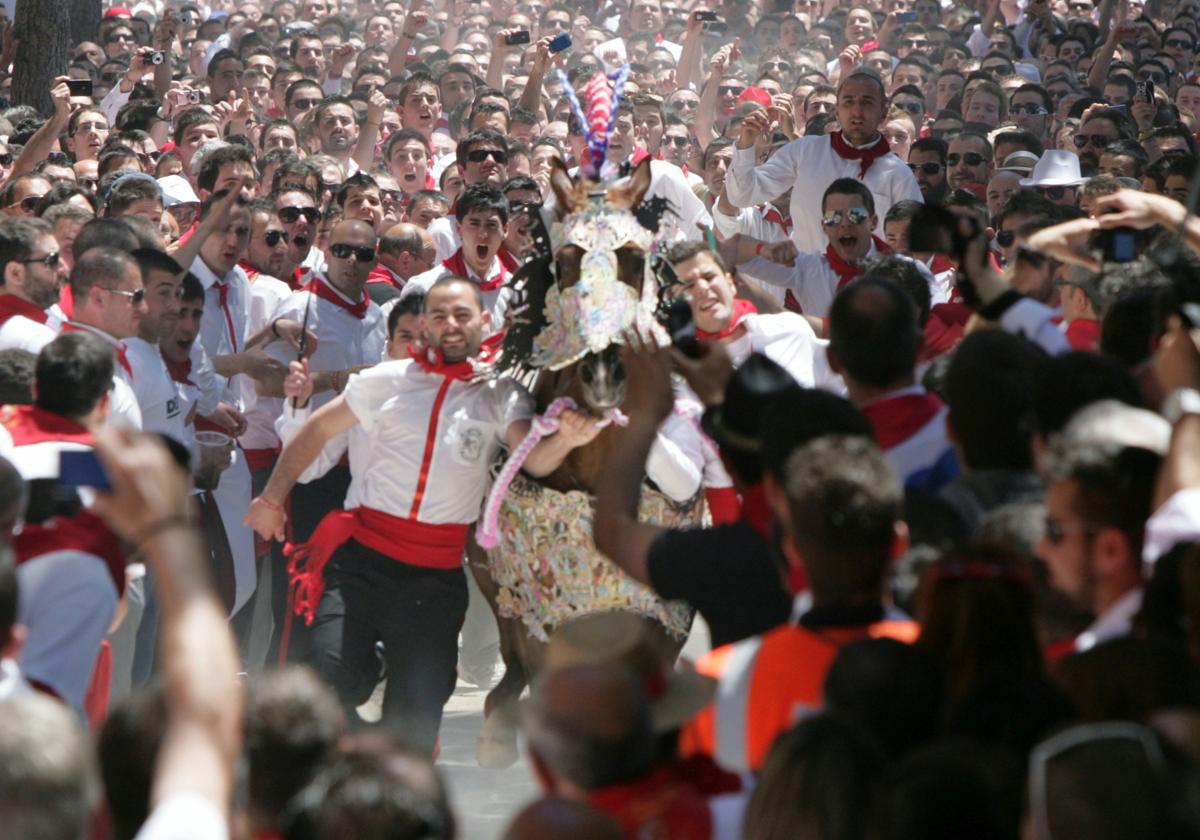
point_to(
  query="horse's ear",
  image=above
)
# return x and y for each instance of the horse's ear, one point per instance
(639, 184)
(563, 186)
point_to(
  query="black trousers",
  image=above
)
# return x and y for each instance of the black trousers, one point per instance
(308, 505)
(416, 612)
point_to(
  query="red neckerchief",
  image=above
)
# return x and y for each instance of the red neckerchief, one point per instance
(222, 288)
(11, 306)
(896, 419)
(181, 372)
(429, 359)
(458, 264)
(659, 804)
(508, 259)
(940, 264)
(66, 301)
(848, 271)
(319, 286)
(251, 271)
(942, 331)
(382, 274)
(741, 308)
(299, 278)
(776, 218)
(865, 157)
(1083, 334)
(118, 347)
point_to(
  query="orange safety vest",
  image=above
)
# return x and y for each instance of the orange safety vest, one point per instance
(767, 684)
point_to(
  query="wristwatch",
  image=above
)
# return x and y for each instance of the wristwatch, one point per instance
(1179, 402)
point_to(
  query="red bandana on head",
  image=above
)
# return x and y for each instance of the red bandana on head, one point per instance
(741, 308)
(319, 287)
(458, 264)
(865, 157)
(11, 306)
(848, 271)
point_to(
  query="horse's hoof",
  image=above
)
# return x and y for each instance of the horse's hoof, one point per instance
(496, 746)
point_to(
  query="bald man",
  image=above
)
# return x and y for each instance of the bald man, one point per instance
(405, 250)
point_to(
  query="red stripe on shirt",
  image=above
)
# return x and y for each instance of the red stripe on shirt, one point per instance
(430, 441)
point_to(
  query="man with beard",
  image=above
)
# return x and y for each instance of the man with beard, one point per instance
(927, 160)
(396, 573)
(337, 131)
(152, 385)
(809, 165)
(32, 273)
(969, 160)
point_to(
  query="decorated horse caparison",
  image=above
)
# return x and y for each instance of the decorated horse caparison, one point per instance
(590, 284)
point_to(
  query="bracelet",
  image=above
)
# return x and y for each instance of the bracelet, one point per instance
(275, 329)
(269, 505)
(167, 523)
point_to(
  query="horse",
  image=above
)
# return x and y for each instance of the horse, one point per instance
(546, 568)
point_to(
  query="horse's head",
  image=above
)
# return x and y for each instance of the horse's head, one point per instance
(599, 267)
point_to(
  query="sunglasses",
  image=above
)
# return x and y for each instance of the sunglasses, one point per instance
(135, 297)
(288, 215)
(782, 66)
(50, 260)
(1006, 238)
(730, 90)
(855, 215)
(28, 203)
(913, 42)
(362, 253)
(1053, 193)
(480, 155)
(272, 237)
(305, 104)
(1179, 42)
(1098, 141)
(971, 159)
(680, 104)
(677, 142)
(391, 196)
(930, 168)
(1056, 531)
(911, 107)
(1031, 110)
(116, 39)
(6, 159)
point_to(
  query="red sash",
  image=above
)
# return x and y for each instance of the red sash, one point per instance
(741, 308)
(458, 264)
(403, 540)
(11, 306)
(865, 157)
(319, 286)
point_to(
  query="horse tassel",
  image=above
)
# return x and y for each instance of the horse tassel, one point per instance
(487, 533)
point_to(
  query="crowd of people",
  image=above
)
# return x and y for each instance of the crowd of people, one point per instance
(931, 373)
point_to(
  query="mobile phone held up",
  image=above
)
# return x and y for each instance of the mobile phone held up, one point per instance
(682, 328)
(1118, 245)
(80, 87)
(81, 468)
(561, 42)
(515, 38)
(906, 17)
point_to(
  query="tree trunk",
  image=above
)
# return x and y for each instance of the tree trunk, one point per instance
(85, 21)
(42, 28)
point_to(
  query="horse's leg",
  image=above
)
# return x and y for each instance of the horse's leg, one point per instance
(497, 744)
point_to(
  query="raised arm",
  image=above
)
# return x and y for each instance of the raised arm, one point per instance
(705, 128)
(747, 185)
(41, 144)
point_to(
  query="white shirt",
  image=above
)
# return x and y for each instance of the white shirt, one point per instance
(223, 329)
(156, 393)
(21, 333)
(788, 340)
(810, 278)
(123, 409)
(807, 166)
(496, 301)
(266, 293)
(1117, 621)
(752, 222)
(442, 483)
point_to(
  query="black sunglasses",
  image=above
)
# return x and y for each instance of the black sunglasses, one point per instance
(50, 260)
(1097, 140)
(480, 155)
(730, 90)
(1006, 238)
(288, 215)
(971, 158)
(363, 253)
(930, 168)
(272, 237)
(678, 142)
(1053, 193)
(6, 158)
(28, 203)
(304, 104)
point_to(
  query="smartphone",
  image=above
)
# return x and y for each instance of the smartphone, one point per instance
(1149, 91)
(521, 37)
(682, 328)
(906, 17)
(706, 17)
(716, 26)
(561, 42)
(80, 87)
(1119, 245)
(82, 468)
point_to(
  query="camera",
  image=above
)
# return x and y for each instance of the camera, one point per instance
(156, 57)
(1119, 245)
(194, 97)
(682, 328)
(80, 87)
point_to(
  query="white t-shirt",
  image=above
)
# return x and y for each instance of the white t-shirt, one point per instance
(156, 393)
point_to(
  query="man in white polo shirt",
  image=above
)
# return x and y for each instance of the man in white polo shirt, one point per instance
(394, 555)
